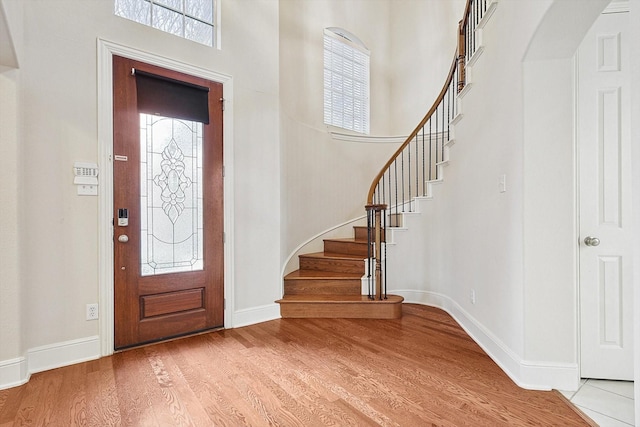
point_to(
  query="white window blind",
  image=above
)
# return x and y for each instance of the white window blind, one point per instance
(191, 19)
(346, 82)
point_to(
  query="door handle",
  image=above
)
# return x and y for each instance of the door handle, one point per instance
(123, 238)
(591, 241)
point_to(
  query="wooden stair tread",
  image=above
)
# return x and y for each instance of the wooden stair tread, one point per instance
(339, 299)
(320, 274)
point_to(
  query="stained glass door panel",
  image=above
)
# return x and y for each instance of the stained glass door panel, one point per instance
(170, 195)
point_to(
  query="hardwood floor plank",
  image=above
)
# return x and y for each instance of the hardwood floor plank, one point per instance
(135, 405)
(25, 415)
(216, 400)
(101, 392)
(419, 370)
(11, 400)
(282, 368)
(49, 403)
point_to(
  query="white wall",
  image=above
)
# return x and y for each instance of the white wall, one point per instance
(10, 333)
(325, 181)
(423, 40)
(10, 289)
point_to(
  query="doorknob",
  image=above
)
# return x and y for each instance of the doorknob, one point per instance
(591, 241)
(123, 238)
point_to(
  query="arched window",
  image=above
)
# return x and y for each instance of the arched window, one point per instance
(346, 81)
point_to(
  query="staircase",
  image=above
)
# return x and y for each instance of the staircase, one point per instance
(329, 284)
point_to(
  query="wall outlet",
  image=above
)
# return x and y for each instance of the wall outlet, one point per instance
(92, 311)
(472, 296)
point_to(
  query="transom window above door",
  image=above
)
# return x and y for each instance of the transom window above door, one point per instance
(191, 19)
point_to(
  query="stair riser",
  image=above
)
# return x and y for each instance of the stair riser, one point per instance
(361, 233)
(362, 310)
(322, 287)
(334, 265)
(351, 248)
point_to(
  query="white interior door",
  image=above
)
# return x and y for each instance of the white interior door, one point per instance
(606, 283)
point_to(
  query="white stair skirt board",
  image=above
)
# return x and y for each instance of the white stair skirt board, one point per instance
(531, 375)
(488, 14)
(476, 55)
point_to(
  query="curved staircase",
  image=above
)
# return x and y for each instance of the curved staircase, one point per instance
(329, 284)
(334, 283)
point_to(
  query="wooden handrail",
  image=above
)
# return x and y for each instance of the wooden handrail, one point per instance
(415, 132)
(458, 64)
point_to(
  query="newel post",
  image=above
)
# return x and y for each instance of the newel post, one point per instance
(375, 238)
(461, 55)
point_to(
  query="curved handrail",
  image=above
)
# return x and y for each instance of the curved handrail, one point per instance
(415, 132)
(473, 15)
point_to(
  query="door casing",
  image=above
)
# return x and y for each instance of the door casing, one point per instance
(106, 50)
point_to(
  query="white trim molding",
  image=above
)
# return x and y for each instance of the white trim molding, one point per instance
(63, 354)
(13, 372)
(349, 137)
(251, 316)
(531, 375)
(106, 50)
(617, 6)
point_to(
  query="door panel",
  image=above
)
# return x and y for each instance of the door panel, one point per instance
(606, 283)
(168, 270)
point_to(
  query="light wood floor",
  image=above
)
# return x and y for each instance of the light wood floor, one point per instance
(420, 370)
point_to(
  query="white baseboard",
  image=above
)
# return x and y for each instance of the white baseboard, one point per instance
(13, 372)
(532, 375)
(63, 354)
(251, 316)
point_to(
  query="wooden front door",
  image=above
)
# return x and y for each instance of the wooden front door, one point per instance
(168, 203)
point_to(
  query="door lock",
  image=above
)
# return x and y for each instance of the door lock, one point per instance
(123, 217)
